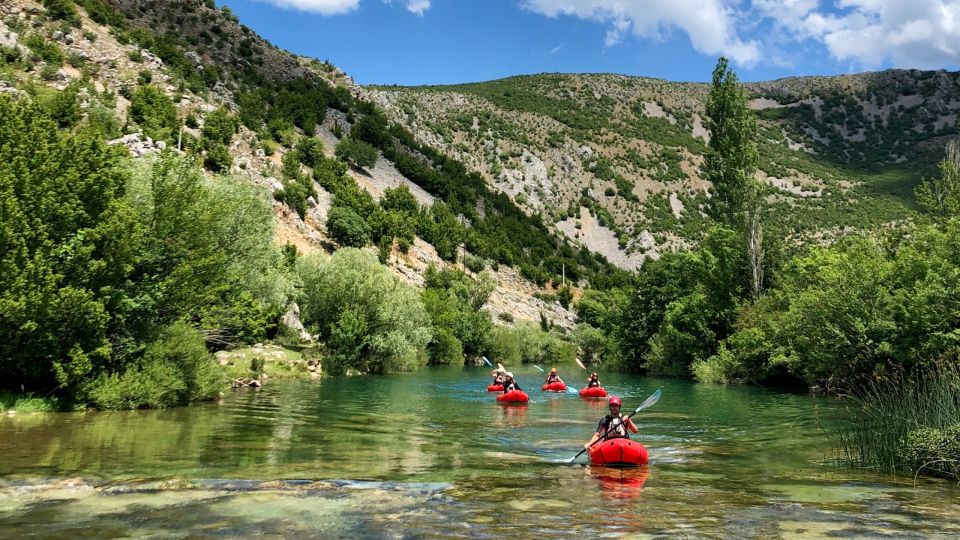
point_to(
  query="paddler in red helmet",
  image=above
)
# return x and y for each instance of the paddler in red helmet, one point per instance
(614, 425)
(593, 381)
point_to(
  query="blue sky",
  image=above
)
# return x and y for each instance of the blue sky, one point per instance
(413, 42)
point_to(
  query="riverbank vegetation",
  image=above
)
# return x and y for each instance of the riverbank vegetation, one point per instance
(906, 422)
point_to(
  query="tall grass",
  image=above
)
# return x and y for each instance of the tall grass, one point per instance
(27, 403)
(878, 423)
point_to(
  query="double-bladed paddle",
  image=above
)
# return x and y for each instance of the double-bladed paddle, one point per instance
(650, 401)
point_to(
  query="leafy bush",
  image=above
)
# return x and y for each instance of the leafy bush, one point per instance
(175, 369)
(933, 451)
(217, 158)
(347, 228)
(46, 50)
(445, 348)
(154, 112)
(220, 126)
(63, 10)
(369, 321)
(453, 300)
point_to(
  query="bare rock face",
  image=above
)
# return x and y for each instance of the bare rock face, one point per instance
(291, 320)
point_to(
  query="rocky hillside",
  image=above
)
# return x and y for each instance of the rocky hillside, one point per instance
(613, 161)
(211, 67)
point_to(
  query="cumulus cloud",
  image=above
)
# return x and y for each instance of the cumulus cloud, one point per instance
(902, 33)
(710, 24)
(323, 7)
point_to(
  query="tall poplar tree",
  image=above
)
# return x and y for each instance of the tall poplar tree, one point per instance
(731, 165)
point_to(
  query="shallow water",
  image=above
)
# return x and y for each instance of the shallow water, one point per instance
(432, 455)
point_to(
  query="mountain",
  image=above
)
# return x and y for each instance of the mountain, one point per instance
(241, 105)
(613, 161)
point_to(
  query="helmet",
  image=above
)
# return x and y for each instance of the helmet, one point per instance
(615, 400)
(553, 370)
(594, 374)
(508, 374)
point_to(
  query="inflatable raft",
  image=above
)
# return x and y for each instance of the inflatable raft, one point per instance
(618, 453)
(513, 396)
(593, 392)
(554, 387)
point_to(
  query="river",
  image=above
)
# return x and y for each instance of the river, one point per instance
(431, 454)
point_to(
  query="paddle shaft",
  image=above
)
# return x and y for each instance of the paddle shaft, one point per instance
(605, 435)
(649, 402)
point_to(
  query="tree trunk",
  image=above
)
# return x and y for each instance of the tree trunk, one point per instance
(754, 238)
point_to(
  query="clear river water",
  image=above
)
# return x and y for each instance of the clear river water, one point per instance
(431, 454)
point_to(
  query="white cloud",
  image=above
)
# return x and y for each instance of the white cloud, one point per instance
(323, 7)
(710, 24)
(418, 6)
(873, 33)
(557, 49)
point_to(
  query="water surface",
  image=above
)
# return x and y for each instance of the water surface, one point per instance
(432, 455)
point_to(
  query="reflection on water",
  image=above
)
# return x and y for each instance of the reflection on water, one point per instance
(432, 454)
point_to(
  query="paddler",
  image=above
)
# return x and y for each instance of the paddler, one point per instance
(497, 376)
(614, 425)
(509, 383)
(593, 381)
(553, 377)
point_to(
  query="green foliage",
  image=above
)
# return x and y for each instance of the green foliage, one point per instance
(347, 228)
(933, 451)
(66, 247)
(209, 252)
(217, 158)
(357, 153)
(445, 348)
(154, 112)
(682, 304)
(310, 151)
(63, 10)
(906, 422)
(941, 196)
(731, 160)
(46, 50)
(369, 321)
(526, 342)
(175, 369)
(220, 126)
(453, 300)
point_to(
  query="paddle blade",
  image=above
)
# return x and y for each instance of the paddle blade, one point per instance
(572, 390)
(540, 368)
(487, 361)
(499, 365)
(650, 401)
(579, 363)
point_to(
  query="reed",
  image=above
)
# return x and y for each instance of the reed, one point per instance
(905, 423)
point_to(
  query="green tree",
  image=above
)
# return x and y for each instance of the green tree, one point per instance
(154, 112)
(67, 247)
(220, 126)
(730, 165)
(941, 196)
(357, 153)
(347, 228)
(370, 321)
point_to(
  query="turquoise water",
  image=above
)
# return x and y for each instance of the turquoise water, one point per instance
(432, 455)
